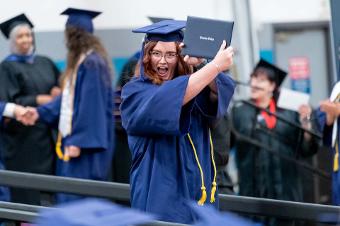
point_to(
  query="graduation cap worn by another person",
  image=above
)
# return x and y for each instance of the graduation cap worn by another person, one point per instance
(209, 216)
(80, 18)
(279, 74)
(7, 26)
(91, 212)
(158, 19)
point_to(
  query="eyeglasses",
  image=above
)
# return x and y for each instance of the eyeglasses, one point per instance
(169, 56)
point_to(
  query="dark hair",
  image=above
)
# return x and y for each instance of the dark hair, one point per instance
(79, 41)
(182, 68)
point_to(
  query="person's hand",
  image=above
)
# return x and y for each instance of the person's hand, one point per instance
(192, 61)
(331, 109)
(43, 99)
(305, 112)
(72, 152)
(19, 112)
(224, 57)
(30, 117)
(55, 91)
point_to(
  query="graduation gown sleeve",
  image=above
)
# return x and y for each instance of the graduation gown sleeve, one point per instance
(49, 113)
(225, 91)
(2, 108)
(324, 128)
(93, 94)
(149, 109)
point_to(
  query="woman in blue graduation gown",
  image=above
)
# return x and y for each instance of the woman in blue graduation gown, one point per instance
(166, 112)
(83, 112)
(27, 79)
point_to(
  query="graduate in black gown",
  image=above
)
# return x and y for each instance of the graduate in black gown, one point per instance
(262, 174)
(83, 113)
(29, 80)
(121, 162)
(167, 111)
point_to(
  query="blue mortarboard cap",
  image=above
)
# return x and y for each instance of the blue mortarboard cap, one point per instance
(91, 212)
(209, 216)
(165, 30)
(80, 18)
(7, 26)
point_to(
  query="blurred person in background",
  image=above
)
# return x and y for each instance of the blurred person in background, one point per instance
(83, 113)
(121, 162)
(8, 110)
(263, 174)
(27, 79)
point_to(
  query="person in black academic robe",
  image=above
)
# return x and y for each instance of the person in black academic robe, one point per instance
(167, 111)
(221, 138)
(8, 110)
(4, 191)
(29, 80)
(261, 173)
(121, 161)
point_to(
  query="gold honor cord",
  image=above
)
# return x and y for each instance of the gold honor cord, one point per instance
(336, 157)
(214, 184)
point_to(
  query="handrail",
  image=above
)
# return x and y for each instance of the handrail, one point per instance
(117, 191)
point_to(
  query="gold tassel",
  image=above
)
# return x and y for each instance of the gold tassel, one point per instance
(58, 148)
(59, 152)
(204, 192)
(203, 197)
(214, 184)
(336, 162)
(213, 191)
(66, 158)
(336, 158)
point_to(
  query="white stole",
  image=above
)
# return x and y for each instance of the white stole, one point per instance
(333, 98)
(67, 100)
